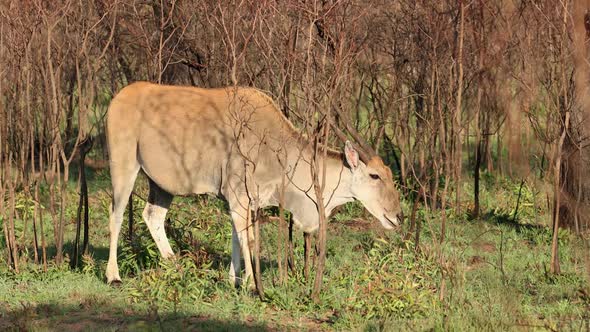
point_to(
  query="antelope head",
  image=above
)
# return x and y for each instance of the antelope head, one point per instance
(372, 184)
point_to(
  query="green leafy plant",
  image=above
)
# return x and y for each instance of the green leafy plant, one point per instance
(384, 290)
(172, 282)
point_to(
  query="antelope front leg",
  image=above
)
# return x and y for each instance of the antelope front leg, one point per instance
(244, 232)
(235, 267)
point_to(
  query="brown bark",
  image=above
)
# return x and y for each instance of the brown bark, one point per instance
(306, 254)
(478, 114)
(457, 124)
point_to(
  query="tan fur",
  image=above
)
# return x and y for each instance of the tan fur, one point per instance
(232, 142)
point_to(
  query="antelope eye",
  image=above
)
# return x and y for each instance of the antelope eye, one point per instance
(374, 176)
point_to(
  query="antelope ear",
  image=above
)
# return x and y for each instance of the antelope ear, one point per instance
(352, 157)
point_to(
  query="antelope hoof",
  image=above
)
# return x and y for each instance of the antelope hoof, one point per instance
(115, 283)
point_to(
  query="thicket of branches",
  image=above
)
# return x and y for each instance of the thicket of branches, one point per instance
(442, 89)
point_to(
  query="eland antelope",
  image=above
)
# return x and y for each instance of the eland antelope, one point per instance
(235, 143)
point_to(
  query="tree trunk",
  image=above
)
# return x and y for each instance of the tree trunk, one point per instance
(457, 123)
(576, 185)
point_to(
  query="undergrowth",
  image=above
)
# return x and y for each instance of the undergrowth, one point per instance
(488, 274)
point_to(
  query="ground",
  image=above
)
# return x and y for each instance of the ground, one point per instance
(490, 273)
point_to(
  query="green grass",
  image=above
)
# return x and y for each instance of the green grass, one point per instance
(494, 271)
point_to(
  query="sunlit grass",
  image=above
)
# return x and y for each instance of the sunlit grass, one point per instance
(495, 272)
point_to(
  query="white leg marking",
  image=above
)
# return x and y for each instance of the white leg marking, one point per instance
(115, 221)
(242, 230)
(121, 195)
(234, 269)
(154, 217)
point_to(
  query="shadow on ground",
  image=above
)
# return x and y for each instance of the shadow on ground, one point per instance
(510, 221)
(102, 317)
